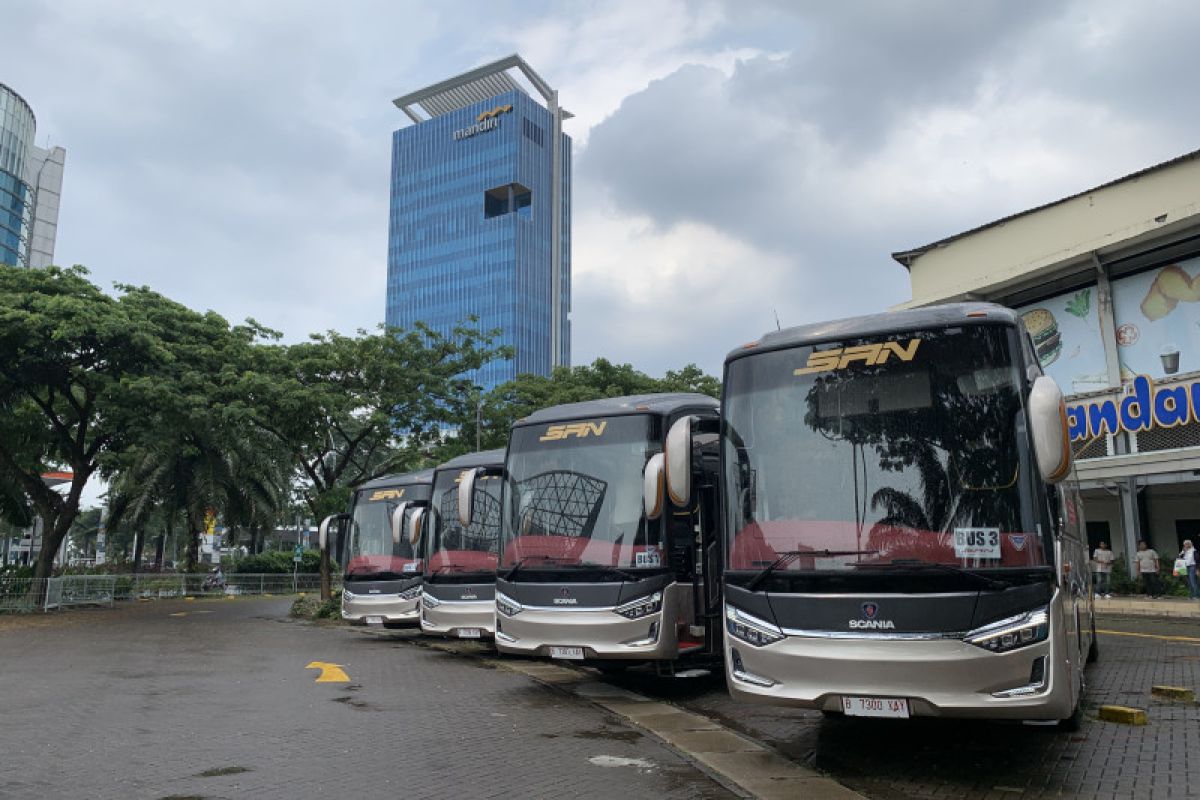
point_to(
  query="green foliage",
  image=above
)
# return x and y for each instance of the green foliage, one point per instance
(311, 607)
(277, 562)
(520, 397)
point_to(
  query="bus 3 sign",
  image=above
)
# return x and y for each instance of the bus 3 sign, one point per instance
(977, 542)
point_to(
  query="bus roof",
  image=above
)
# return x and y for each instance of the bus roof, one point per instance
(662, 404)
(941, 316)
(402, 479)
(483, 458)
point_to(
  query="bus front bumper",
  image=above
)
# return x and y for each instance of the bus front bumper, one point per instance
(386, 609)
(593, 633)
(937, 678)
(460, 619)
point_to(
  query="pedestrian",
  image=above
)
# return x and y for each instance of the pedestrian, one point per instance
(1147, 560)
(1102, 561)
(1188, 555)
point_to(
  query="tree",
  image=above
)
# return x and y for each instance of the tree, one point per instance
(68, 356)
(347, 409)
(520, 397)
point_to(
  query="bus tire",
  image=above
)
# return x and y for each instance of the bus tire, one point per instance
(1073, 723)
(1093, 653)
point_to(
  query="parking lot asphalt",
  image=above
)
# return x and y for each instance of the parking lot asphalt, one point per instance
(220, 698)
(210, 699)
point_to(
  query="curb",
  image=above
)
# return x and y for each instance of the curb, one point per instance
(1179, 693)
(1123, 714)
(737, 761)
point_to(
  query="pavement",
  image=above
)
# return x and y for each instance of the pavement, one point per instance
(215, 699)
(1140, 606)
(220, 699)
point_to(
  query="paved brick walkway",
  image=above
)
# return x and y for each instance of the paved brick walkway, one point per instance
(216, 702)
(904, 760)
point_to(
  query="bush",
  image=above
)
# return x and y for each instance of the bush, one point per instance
(311, 607)
(1171, 585)
(277, 562)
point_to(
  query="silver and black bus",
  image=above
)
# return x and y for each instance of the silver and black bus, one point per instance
(904, 532)
(597, 562)
(381, 580)
(459, 598)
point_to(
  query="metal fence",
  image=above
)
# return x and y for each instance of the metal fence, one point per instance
(20, 595)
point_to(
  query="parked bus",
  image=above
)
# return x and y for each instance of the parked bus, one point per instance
(459, 560)
(593, 566)
(905, 535)
(381, 582)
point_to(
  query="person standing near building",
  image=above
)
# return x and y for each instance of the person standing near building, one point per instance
(1188, 554)
(1102, 561)
(1147, 561)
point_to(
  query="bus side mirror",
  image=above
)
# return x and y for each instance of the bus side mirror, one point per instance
(398, 521)
(332, 521)
(323, 531)
(1048, 424)
(414, 527)
(652, 486)
(677, 461)
(466, 496)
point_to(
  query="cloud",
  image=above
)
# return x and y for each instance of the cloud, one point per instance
(868, 138)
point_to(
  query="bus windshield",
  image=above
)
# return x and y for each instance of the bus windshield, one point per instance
(371, 553)
(574, 495)
(904, 450)
(453, 548)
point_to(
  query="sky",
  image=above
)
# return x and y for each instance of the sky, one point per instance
(735, 162)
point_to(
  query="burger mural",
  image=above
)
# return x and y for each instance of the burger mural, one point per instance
(1047, 339)
(1066, 335)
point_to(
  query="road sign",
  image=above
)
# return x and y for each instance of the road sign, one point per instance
(298, 554)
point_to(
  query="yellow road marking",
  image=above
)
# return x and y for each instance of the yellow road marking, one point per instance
(1189, 639)
(330, 673)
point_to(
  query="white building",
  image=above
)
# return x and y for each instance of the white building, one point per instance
(1109, 283)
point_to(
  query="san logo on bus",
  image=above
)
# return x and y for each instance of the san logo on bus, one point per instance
(578, 430)
(869, 354)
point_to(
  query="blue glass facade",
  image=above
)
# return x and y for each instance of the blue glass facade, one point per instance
(469, 230)
(17, 125)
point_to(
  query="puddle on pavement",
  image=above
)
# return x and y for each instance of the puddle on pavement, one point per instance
(217, 772)
(355, 704)
(607, 735)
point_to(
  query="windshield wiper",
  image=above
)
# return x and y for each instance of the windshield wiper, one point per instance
(912, 563)
(508, 576)
(610, 570)
(790, 555)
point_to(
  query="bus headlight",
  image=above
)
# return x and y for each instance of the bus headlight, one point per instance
(347, 596)
(1012, 633)
(413, 593)
(429, 601)
(643, 606)
(751, 629)
(506, 605)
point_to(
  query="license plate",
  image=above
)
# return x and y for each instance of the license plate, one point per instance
(468, 633)
(875, 707)
(373, 620)
(573, 653)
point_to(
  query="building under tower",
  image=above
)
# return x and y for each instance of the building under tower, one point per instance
(480, 215)
(30, 187)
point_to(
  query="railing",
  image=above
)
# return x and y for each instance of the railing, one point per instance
(22, 594)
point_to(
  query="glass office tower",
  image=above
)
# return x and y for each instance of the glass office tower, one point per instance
(30, 187)
(480, 216)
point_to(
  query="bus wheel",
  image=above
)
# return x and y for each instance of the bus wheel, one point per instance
(1093, 654)
(1073, 723)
